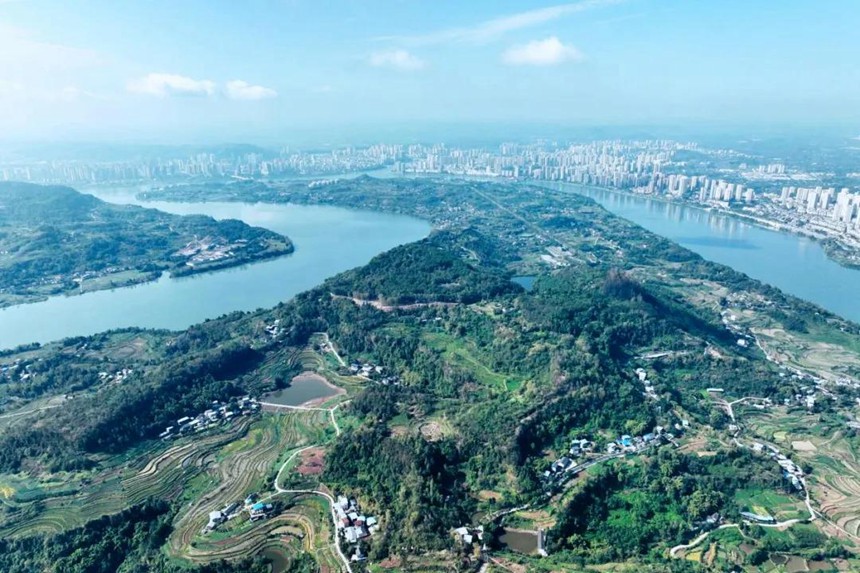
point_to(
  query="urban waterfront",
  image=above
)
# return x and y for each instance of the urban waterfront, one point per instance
(796, 264)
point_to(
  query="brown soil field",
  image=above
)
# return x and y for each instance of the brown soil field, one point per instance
(312, 462)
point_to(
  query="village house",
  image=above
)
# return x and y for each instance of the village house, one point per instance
(468, 535)
(352, 524)
(261, 510)
(216, 518)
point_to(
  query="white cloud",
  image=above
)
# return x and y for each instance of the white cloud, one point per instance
(163, 85)
(238, 89)
(548, 52)
(396, 59)
(494, 28)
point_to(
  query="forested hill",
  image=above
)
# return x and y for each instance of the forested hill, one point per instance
(463, 392)
(54, 239)
(400, 277)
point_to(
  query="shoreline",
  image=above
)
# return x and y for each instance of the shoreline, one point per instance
(150, 277)
(318, 402)
(312, 403)
(828, 244)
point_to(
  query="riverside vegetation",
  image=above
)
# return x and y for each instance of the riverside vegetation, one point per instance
(55, 240)
(492, 382)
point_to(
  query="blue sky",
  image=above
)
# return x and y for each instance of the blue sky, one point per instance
(188, 70)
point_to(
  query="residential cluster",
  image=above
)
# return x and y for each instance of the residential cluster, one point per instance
(117, 377)
(842, 207)
(790, 471)
(582, 454)
(351, 523)
(16, 370)
(628, 444)
(207, 250)
(374, 372)
(256, 510)
(219, 412)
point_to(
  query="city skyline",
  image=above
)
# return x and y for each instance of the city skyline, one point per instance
(200, 70)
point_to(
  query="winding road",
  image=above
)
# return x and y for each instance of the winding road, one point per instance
(280, 490)
(729, 407)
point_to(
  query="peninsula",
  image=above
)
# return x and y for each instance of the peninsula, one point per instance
(55, 240)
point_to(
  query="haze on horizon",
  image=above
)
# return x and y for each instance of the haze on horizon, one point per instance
(188, 71)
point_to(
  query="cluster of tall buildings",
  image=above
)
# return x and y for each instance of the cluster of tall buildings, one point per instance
(652, 167)
(201, 165)
(639, 166)
(606, 163)
(842, 207)
(700, 187)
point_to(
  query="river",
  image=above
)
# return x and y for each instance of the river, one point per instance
(795, 264)
(328, 240)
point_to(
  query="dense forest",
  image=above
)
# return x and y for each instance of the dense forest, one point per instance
(399, 277)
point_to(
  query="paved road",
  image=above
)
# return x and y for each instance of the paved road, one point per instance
(674, 551)
(280, 490)
(333, 349)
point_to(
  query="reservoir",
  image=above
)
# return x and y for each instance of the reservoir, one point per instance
(795, 264)
(327, 241)
(520, 540)
(304, 388)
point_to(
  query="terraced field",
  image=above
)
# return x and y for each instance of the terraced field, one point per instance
(241, 467)
(201, 474)
(835, 482)
(167, 475)
(164, 476)
(304, 525)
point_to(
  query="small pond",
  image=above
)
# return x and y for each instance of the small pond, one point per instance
(520, 540)
(304, 388)
(527, 282)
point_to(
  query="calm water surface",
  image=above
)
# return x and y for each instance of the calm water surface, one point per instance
(520, 541)
(527, 282)
(302, 388)
(797, 265)
(327, 240)
(330, 240)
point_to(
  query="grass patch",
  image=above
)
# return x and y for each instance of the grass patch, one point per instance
(457, 352)
(768, 502)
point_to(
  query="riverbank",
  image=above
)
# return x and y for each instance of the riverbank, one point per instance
(836, 251)
(55, 240)
(327, 240)
(132, 277)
